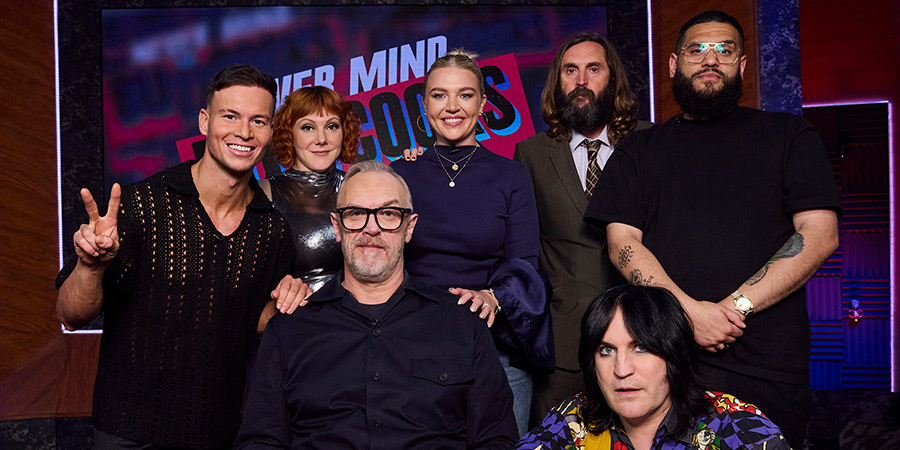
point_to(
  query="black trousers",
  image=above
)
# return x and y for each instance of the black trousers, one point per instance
(786, 404)
(106, 441)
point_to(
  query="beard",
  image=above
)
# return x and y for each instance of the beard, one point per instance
(595, 114)
(367, 268)
(706, 102)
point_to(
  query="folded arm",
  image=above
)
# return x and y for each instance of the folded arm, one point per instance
(714, 323)
(815, 239)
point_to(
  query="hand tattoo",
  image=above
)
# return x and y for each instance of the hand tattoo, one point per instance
(625, 256)
(638, 280)
(791, 248)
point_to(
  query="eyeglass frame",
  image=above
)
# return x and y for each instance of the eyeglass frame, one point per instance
(738, 52)
(404, 212)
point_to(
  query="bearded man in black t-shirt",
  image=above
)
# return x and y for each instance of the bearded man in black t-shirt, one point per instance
(732, 209)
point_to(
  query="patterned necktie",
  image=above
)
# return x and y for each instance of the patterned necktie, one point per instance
(593, 169)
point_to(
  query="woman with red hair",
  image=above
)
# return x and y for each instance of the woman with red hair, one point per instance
(313, 129)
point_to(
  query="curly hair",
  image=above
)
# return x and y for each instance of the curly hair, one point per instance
(654, 318)
(313, 100)
(625, 108)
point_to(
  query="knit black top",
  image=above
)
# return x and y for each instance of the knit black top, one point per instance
(181, 305)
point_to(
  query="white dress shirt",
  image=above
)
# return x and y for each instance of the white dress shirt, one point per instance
(579, 154)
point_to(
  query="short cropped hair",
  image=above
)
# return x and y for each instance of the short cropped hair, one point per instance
(656, 320)
(371, 166)
(707, 17)
(313, 100)
(240, 75)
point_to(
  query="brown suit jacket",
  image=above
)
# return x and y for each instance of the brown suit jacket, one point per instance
(573, 253)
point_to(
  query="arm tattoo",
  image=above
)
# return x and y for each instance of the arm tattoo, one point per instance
(791, 248)
(625, 256)
(638, 280)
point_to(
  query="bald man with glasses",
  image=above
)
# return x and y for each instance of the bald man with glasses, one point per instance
(378, 359)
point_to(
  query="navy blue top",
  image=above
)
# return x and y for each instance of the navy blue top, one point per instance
(463, 231)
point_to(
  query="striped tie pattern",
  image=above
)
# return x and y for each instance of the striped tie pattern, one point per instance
(593, 168)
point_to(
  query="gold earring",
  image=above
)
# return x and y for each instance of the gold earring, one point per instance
(420, 127)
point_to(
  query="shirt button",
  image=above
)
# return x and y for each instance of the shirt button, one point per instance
(377, 422)
(444, 376)
(376, 332)
(376, 376)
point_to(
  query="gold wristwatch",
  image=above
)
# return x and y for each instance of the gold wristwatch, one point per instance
(742, 304)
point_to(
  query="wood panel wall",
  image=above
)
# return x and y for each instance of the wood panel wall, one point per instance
(668, 16)
(28, 189)
(42, 372)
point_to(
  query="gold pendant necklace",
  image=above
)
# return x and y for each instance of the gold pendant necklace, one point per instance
(455, 165)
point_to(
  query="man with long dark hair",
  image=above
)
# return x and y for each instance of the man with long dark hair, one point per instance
(732, 209)
(589, 107)
(642, 391)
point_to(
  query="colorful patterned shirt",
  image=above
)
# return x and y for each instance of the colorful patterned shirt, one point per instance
(728, 424)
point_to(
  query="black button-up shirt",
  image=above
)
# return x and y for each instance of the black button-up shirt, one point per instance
(422, 372)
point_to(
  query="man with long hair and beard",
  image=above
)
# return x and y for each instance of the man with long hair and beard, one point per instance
(589, 108)
(732, 209)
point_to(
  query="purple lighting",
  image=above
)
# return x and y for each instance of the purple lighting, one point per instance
(59, 218)
(893, 288)
(650, 60)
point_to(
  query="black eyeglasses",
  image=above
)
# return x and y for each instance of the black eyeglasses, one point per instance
(388, 218)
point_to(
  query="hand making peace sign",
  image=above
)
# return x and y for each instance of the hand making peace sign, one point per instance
(97, 242)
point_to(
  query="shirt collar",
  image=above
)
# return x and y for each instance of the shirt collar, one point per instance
(578, 137)
(670, 422)
(334, 289)
(180, 180)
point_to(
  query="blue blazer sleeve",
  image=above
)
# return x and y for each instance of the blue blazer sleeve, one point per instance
(523, 292)
(524, 295)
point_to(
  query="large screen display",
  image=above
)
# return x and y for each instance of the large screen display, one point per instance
(133, 73)
(156, 63)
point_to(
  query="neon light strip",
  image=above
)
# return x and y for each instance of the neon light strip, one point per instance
(59, 220)
(891, 213)
(58, 145)
(650, 61)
